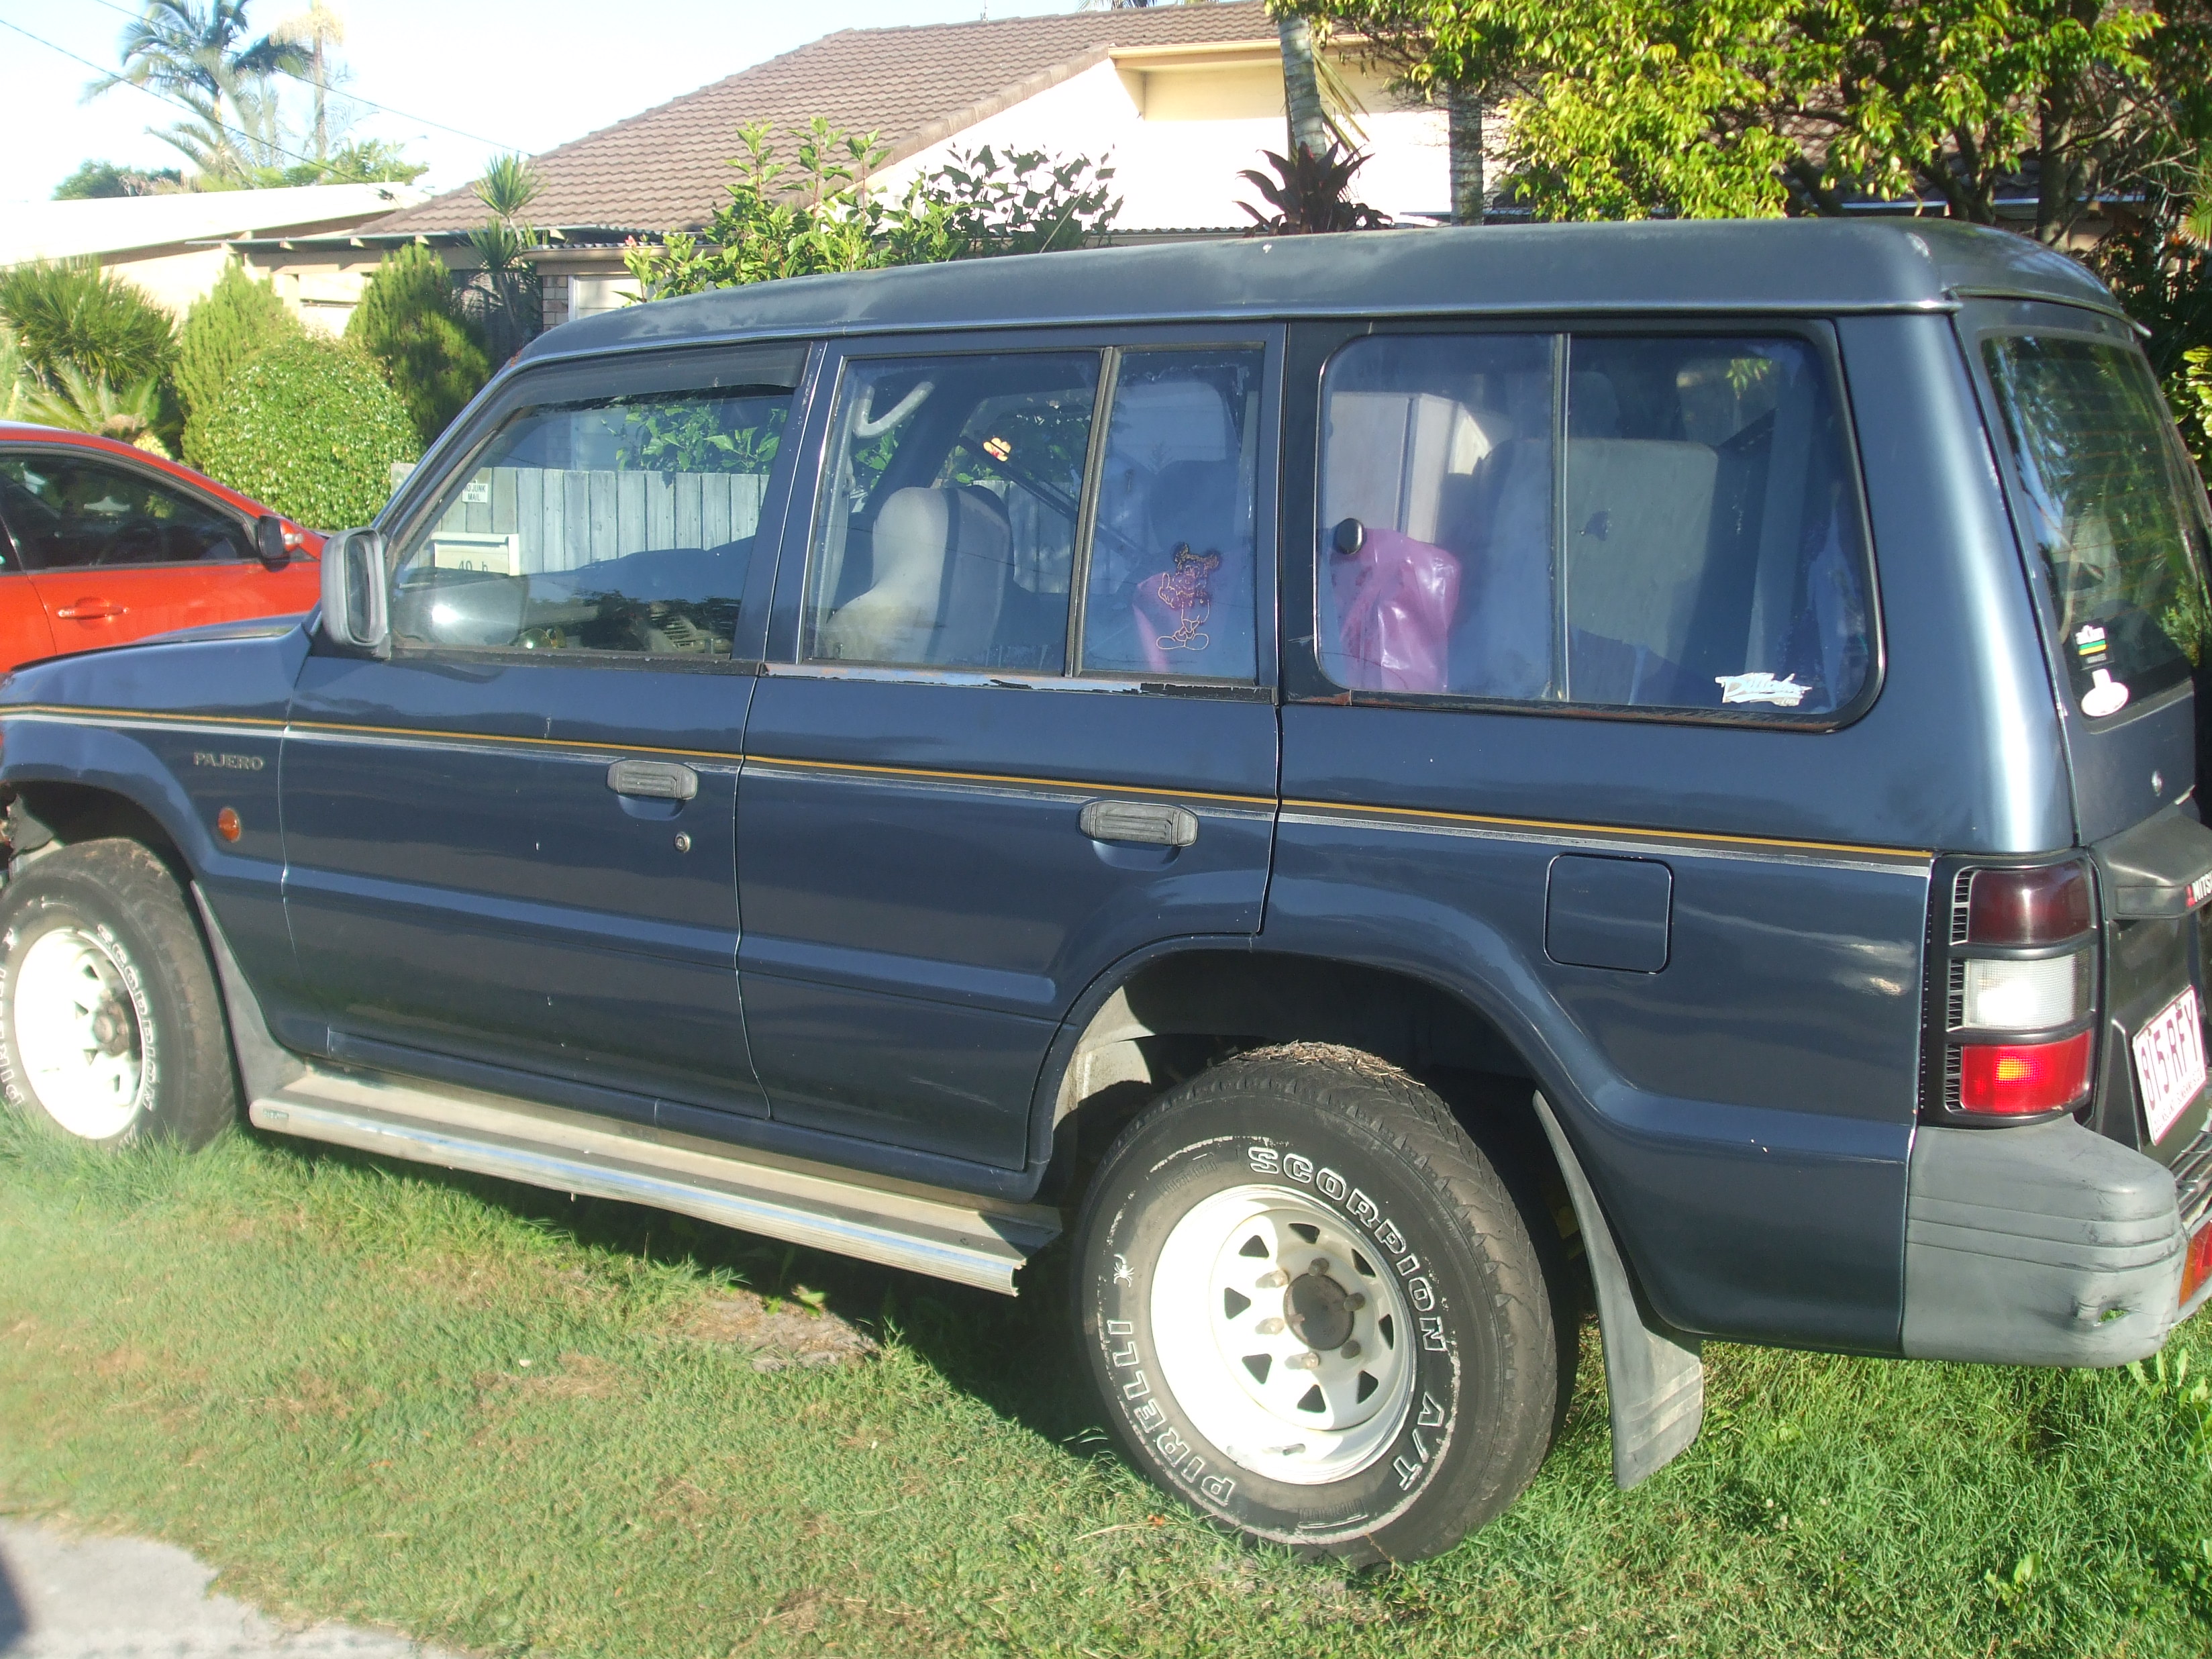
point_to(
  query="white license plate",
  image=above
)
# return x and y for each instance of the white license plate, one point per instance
(2170, 1061)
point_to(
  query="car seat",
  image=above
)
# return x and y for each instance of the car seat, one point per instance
(940, 569)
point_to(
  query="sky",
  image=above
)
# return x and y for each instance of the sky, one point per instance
(523, 74)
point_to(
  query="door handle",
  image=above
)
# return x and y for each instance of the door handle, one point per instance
(92, 610)
(654, 779)
(1139, 820)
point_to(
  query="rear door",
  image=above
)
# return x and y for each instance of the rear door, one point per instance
(1017, 727)
(118, 552)
(1588, 717)
(512, 847)
(2113, 522)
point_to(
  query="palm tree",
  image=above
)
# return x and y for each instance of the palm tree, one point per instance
(1309, 126)
(317, 30)
(199, 57)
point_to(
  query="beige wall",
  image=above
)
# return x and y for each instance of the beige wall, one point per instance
(173, 276)
(1179, 127)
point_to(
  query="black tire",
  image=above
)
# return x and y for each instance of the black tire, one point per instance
(125, 906)
(1340, 1130)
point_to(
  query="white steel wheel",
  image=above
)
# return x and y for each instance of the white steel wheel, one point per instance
(78, 1033)
(1283, 1334)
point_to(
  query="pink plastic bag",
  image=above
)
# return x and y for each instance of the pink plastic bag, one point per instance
(1395, 599)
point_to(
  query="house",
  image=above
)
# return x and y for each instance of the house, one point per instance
(1177, 99)
(175, 246)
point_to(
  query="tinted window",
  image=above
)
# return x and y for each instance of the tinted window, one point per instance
(1170, 589)
(1662, 523)
(2114, 507)
(67, 513)
(944, 536)
(614, 524)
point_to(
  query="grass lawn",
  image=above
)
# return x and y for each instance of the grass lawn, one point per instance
(496, 1419)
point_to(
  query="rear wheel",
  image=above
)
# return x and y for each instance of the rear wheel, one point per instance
(111, 1027)
(1314, 1310)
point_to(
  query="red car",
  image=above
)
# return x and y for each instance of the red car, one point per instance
(100, 543)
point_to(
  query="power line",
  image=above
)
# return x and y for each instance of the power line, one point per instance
(171, 103)
(474, 137)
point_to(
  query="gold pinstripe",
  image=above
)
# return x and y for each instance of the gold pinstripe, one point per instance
(1551, 827)
(1070, 785)
(857, 768)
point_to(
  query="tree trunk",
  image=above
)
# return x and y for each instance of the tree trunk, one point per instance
(322, 106)
(1300, 87)
(1470, 186)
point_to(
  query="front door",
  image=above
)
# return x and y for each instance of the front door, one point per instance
(118, 552)
(1016, 725)
(513, 846)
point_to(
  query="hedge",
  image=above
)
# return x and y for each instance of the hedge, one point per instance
(310, 427)
(226, 329)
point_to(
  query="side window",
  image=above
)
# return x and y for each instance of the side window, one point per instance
(1664, 523)
(1169, 587)
(68, 512)
(621, 523)
(945, 534)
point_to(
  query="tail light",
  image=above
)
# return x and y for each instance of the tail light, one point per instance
(2013, 991)
(2198, 1267)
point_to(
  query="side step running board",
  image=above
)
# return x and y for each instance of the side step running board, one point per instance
(950, 1234)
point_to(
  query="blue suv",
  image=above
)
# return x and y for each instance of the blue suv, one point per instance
(1391, 787)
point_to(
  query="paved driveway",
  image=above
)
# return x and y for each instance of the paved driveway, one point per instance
(123, 1598)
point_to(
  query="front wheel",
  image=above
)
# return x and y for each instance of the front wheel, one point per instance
(111, 1027)
(1315, 1312)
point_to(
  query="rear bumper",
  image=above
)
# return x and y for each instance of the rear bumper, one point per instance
(2042, 1245)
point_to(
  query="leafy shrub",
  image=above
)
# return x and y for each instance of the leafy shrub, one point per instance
(824, 218)
(310, 427)
(233, 323)
(409, 324)
(78, 401)
(1311, 194)
(17, 384)
(2190, 391)
(72, 314)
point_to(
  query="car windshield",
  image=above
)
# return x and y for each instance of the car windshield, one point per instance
(2115, 507)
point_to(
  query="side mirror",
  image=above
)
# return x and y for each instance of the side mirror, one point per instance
(355, 621)
(269, 542)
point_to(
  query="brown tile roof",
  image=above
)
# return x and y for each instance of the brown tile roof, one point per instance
(667, 168)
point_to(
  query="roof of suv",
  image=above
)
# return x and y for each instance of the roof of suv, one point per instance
(1824, 266)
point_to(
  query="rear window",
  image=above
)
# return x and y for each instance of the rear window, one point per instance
(1661, 522)
(2113, 504)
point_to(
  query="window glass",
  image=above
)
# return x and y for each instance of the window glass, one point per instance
(67, 513)
(1661, 523)
(613, 524)
(2114, 507)
(1170, 583)
(945, 536)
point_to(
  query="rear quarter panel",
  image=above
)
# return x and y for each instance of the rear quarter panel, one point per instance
(1747, 1113)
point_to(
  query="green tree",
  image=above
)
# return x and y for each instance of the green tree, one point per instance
(200, 56)
(409, 323)
(501, 297)
(1466, 57)
(1731, 108)
(818, 214)
(96, 181)
(72, 314)
(227, 328)
(310, 427)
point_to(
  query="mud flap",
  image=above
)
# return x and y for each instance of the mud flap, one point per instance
(1655, 1375)
(264, 1066)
